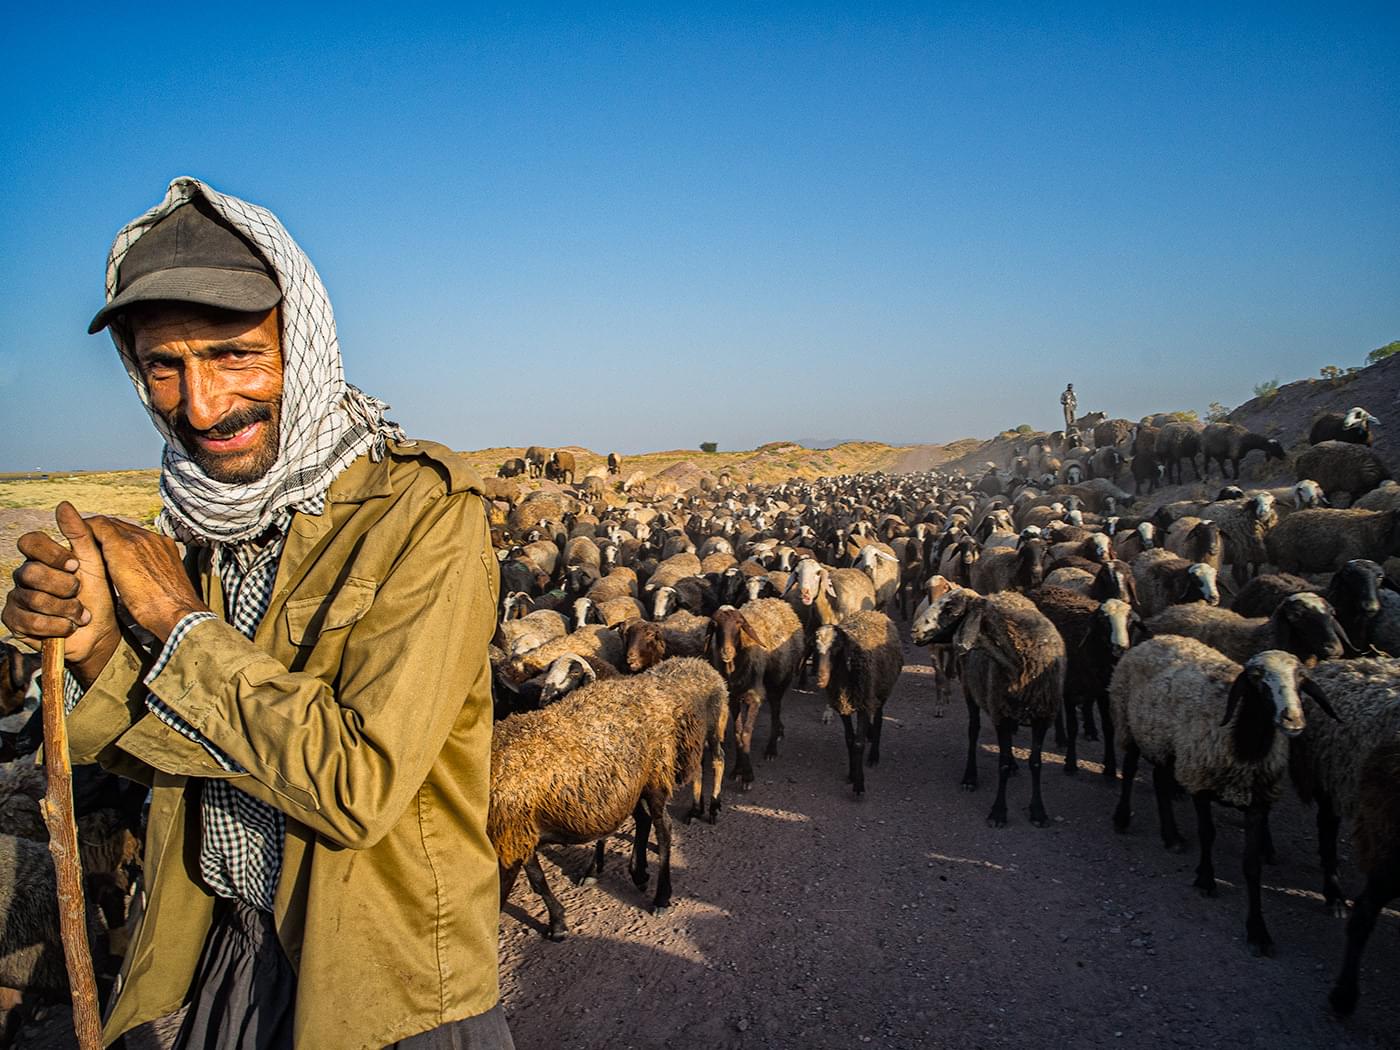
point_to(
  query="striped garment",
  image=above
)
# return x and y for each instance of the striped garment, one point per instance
(240, 852)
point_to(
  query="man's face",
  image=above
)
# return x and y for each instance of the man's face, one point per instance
(215, 377)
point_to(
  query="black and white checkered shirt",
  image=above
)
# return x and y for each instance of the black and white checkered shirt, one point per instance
(240, 852)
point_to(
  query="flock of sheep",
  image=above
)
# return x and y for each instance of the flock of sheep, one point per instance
(1237, 644)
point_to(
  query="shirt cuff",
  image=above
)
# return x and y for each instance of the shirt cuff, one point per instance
(163, 712)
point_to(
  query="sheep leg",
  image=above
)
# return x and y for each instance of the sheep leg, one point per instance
(1006, 730)
(1091, 731)
(1069, 713)
(594, 869)
(717, 766)
(656, 803)
(1110, 758)
(974, 726)
(942, 688)
(508, 877)
(1123, 815)
(1205, 834)
(1061, 735)
(743, 720)
(641, 816)
(1256, 830)
(1164, 787)
(775, 720)
(877, 723)
(1269, 855)
(1381, 886)
(1038, 730)
(855, 749)
(558, 929)
(1327, 825)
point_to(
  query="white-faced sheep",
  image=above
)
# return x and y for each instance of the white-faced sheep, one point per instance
(1197, 540)
(530, 631)
(1308, 494)
(1013, 667)
(1353, 427)
(610, 612)
(878, 561)
(1218, 729)
(593, 640)
(1162, 579)
(1245, 523)
(1324, 540)
(757, 649)
(1302, 624)
(573, 772)
(1341, 467)
(858, 664)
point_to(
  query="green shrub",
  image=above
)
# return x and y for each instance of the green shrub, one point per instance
(709, 446)
(1380, 353)
(1267, 389)
(1216, 413)
(1329, 372)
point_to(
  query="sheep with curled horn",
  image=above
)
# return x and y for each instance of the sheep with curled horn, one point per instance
(1353, 427)
(858, 663)
(1013, 668)
(1221, 731)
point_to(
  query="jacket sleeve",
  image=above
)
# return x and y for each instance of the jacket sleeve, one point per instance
(111, 705)
(347, 761)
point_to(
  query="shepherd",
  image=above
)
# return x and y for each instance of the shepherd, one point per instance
(1070, 405)
(314, 714)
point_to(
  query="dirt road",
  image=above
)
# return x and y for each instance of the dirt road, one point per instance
(807, 919)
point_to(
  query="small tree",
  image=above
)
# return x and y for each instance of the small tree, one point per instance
(1266, 389)
(1025, 428)
(1216, 413)
(1330, 372)
(1380, 353)
(709, 446)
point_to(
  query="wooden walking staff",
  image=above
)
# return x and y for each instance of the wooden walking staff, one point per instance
(57, 808)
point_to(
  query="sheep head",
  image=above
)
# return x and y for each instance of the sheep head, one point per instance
(1276, 679)
(826, 644)
(645, 643)
(564, 675)
(1306, 625)
(948, 616)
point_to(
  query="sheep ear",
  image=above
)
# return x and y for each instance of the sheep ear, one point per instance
(1311, 689)
(968, 631)
(829, 587)
(744, 628)
(710, 638)
(1237, 691)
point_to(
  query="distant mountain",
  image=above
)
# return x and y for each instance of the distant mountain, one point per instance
(824, 443)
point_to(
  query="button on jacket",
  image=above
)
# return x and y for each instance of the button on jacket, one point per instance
(361, 708)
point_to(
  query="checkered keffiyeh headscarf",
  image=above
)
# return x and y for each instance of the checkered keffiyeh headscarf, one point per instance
(326, 422)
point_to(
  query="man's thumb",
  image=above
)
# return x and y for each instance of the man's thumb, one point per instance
(77, 532)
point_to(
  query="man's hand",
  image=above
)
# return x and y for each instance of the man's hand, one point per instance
(62, 593)
(146, 570)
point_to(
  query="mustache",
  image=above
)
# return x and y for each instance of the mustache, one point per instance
(228, 426)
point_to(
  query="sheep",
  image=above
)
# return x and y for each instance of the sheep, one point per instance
(1303, 624)
(672, 570)
(941, 656)
(1013, 668)
(1325, 764)
(1162, 579)
(1177, 441)
(569, 672)
(1128, 544)
(758, 649)
(1245, 524)
(701, 701)
(1308, 494)
(1356, 593)
(878, 561)
(1341, 467)
(858, 663)
(610, 612)
(1323, 540)
(593, 640)
(1197, 540)
(1385, 496)
(1169, 695)
(1262, 595)
(693, 594)
(1106, 463)
(574, 771)
(561, 466)
(1376, 844)
(1112, 432)
(1096, 633)
(535, 460)
(680, 634)
(530, 631)
(1021, 569)
(614, 463)
(1229, 441)
(1354, 427)
(1147, 468)
(511, 468)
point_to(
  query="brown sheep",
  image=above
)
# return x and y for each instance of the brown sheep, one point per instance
(758, 649)
(858, 663)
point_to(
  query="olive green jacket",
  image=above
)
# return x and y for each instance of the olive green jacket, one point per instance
(362, 710)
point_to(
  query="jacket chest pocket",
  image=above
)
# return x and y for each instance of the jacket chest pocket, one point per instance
(307, 619)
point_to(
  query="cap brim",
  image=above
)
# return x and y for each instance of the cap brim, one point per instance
(243, 290)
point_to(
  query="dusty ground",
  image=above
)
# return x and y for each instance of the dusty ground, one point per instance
(807, 919)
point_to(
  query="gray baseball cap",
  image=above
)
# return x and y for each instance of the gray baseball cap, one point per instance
(192, 256)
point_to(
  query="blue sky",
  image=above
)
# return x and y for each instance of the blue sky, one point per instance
(633, 228)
